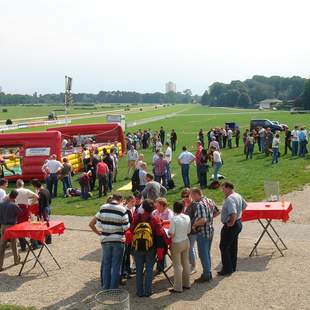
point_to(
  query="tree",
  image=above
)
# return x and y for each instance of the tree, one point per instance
(244, 100)
(205, 99)
(306, 96)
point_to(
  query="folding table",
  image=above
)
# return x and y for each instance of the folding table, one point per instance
(35, 231)
(265, 213)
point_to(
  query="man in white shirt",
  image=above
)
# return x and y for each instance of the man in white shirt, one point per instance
(3, 186)
(24, 199)
(132, 156)
(262, 137)
(184, 160)
(54, 167)
(215, 144)
(229, 137)
(168, 157)
(295, 140)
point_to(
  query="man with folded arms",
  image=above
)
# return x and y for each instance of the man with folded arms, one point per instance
(232, 209)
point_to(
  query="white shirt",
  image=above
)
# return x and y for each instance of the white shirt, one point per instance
(168, 154)
(180, 225)
(275, 142)
(2, 194)
(24, 196)
(158, 145)
(217, 157)
(229, 134)
(295, 134)
(53, 165)
(186, 157)
(142, 176)
(155, 157)
(133, 155)
(64, 143)
(262, 132)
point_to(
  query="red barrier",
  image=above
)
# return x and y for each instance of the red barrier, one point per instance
(105, 133)
(33, 149)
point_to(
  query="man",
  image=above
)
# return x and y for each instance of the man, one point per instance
(295, 140)
(108, 159)
(162, 135)
(153, 189)
(262, 138)
(102, 173)
(232, 209)
(288, 137)
(245, 139)
(268, 141)
(23, 200)
(237, 136)
(53, 166)
(9, 212)
(205, 211)
(302, 137)
(132, 156)
(214, 144)
(229, 137)
(160, 170)
(224, 137)
(142, 176)
(44, 201)
(184, 160)
(173, 140)
(110, 223)
(168, 157)
(197, 158)
(66, 175)
(201, 137)
(3, 186)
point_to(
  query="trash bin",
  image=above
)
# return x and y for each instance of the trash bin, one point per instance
(114, 299)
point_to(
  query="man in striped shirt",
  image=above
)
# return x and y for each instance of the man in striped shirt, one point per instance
(110, 223)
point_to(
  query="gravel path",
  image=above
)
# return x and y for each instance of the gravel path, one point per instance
(267, 281)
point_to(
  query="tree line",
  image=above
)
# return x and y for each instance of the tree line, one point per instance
(102, 97)
(250, 92)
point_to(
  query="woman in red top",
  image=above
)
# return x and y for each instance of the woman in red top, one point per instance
(146, 258)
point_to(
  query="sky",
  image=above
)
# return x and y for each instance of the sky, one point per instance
(139, 45)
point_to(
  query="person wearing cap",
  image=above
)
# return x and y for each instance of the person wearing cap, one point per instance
(9, 211)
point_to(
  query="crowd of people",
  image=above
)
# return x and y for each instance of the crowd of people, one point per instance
(136, 233)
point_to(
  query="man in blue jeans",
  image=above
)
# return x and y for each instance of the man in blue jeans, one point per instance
(110, 223)
(206, 210)
(184, 160)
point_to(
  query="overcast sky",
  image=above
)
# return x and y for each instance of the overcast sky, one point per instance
(141, 44)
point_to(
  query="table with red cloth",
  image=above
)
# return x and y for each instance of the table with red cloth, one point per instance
(265, 213)
(35, 231)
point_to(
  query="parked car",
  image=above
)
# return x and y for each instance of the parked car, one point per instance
(283, 126)
(265, 123)
(231, 125)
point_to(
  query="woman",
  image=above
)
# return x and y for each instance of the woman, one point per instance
(162, 210)
(275, 148)
(189, 208)
(145, 258)
(217, 162)
(179, 229)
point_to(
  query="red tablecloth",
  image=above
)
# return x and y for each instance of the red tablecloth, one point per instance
(34, 231)
(258, 210)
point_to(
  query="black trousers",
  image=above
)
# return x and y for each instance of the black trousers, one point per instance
(229, 246)
(287, 145)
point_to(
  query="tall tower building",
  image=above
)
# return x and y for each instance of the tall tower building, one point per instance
(171, 87)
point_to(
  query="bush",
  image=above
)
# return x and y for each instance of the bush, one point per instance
(8, 122)
(4, 110)
(141, 109)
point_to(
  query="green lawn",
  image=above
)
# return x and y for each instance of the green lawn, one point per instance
(10, 307)
(248, 176)
(29, 111)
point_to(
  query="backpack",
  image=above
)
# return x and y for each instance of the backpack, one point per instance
(135, 181)
(143, 237)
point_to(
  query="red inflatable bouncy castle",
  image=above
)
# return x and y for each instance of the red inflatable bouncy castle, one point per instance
(23, 154)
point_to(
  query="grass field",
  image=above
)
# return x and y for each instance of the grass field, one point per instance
(29, 111)
(248, 176)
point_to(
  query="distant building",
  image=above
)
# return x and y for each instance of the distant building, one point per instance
(269, 103)
(171, 87)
